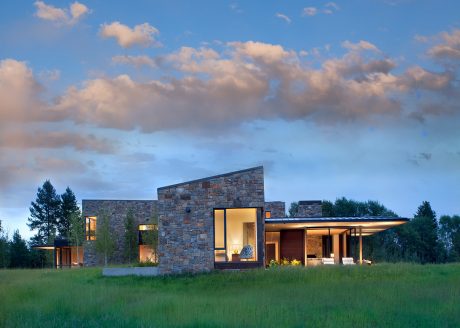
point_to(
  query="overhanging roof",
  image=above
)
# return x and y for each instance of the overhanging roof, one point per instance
(368, 224)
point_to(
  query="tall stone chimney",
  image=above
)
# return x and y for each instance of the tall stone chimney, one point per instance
(309, 208)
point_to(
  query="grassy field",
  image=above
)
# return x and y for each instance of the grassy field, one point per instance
(389, 295)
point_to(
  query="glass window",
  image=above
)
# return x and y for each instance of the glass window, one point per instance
(144, 227)
(90, 225)
(268, 214)
(235, 233)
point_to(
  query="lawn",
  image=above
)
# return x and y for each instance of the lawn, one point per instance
(387, 295)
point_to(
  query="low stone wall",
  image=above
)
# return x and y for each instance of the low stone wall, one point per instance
(135, 271)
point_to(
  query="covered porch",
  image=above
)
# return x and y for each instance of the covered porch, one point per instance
(64, 255)
(316, 240)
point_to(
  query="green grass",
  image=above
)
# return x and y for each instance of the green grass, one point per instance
(387, 295)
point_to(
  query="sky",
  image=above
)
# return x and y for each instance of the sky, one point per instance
(356, 99)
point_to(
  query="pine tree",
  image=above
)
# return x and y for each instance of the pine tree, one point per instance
(293, 209)
(4, 248)
(69, 207)
(426, 227)
(131, 235)
(19, 252)
(105, 244)
(45, 213)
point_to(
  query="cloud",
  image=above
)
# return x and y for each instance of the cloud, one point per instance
(225, 89)
(50, 75)
(59, 15)
(449, 48)
(210, 90)
(360, 46)
(141, 35)
(55, 140)
(309, 11)
(283, 17)
(137, 61)
(20, 95)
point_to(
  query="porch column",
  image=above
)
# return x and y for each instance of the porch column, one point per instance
(360, 246)
(344, 244)
(305, 236)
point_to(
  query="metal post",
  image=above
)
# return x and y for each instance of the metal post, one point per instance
(305, 234)
(360, 246)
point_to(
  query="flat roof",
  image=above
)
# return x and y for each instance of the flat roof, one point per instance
(336, 219)
(368, 224)
(212, 177)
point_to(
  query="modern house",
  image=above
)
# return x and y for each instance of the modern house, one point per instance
(224, 222)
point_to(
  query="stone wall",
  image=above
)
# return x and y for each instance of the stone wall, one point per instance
(309, 208)
(143, 212)
(186, 225)
(315, 246)
(277, 209)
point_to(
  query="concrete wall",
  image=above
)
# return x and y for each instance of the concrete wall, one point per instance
(143, 211)
(186, 226)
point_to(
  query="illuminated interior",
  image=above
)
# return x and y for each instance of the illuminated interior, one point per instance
(90, 227)
(268, 214)
(234, 229)
(148, 233)
(146, 254)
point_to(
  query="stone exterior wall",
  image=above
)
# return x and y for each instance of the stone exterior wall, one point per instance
(277, 209)
(309, 208)
(315, 246)
(186, 224)
(143, 212)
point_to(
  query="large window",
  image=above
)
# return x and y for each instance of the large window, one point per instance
(235, 234)
(90, 227)
(148, 243)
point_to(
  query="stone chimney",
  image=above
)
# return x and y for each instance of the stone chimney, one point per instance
(309, 208)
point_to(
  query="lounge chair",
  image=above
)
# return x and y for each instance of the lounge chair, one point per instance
(348, 261)
(328, 260)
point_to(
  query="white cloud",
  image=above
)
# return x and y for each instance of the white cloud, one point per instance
(283, 17)
(449, 48)
(137, 61)
(360, 46)
(309, 11)
(61, 15)
(142, 34)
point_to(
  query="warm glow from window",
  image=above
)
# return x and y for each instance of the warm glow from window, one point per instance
(235, 234)
(145, 227)
(90, 227)
(268, 214)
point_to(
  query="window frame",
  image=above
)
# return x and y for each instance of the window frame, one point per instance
(90, 235)
(225, 235)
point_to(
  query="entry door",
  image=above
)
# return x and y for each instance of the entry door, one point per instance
(270, 252)
(292, 245)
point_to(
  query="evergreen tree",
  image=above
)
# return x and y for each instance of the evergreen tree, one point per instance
(426, 228)
(76, 231)
(45, 213)
(69, 207)
(131, 235)
(19, 252)
(449, 232)
(4, 248)
(105, 244)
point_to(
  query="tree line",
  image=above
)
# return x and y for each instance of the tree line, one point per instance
(424, 239)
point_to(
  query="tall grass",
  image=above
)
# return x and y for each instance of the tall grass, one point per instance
(390, 295)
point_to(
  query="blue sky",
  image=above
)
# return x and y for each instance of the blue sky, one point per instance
(346, 98)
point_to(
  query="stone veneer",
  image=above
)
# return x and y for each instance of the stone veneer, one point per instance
(277, 209)
(143, 212)
(186, 223)
(309, 208)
